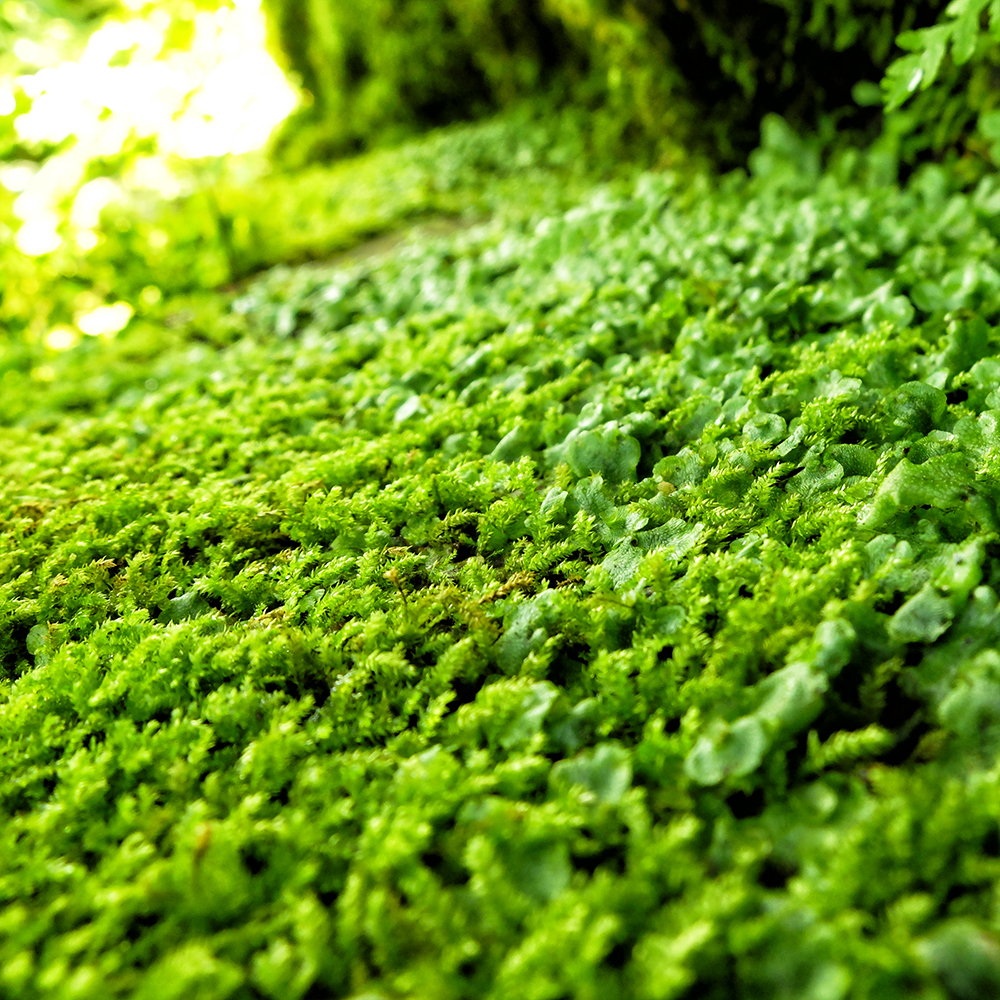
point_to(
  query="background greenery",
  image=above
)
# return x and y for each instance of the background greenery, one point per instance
(522, 557)
(646, 70)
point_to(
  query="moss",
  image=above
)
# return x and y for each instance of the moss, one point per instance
(593, 603)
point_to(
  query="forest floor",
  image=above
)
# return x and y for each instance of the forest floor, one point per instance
(591, 597)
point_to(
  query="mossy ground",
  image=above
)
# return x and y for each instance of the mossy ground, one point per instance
(597, 601)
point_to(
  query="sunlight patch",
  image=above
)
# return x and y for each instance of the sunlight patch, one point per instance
(61, 338)
(224, 94)
(105, 321)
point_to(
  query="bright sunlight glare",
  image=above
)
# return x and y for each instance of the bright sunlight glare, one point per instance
(105, 321)
(224, 94)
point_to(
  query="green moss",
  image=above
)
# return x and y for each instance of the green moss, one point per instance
(588, 604)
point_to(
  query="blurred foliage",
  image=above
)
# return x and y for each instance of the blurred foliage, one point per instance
(59, 25)
(169, 258)
(629, 82)
(702, 72)
(944, 95)
(229, 226)
(39, 292)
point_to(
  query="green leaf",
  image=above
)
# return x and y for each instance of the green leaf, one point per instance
(943, 481)
(36, 643)
(186, 606)
(934, 42)
(605, 771)
(965, 957)
(513, 445)
(541, 871)
(605, 451)
(866, 94)
(727, 751)
(534, 708)
(792, 696)
(923, 618)
(989, 124)
(966, 34)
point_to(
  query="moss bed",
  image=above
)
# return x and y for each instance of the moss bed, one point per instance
(597, 604)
